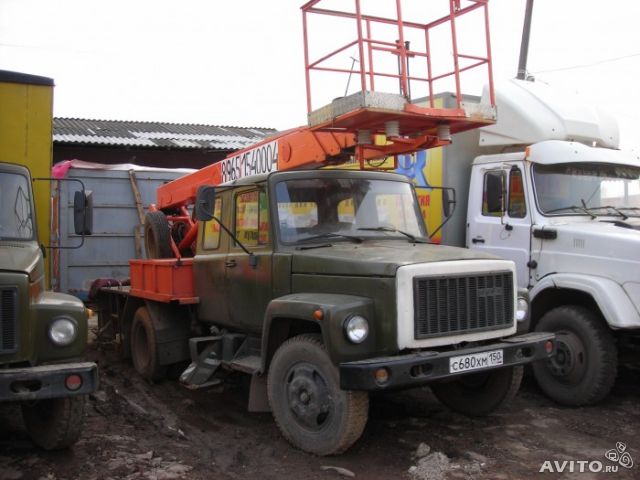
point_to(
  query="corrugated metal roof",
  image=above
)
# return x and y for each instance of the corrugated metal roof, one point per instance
(155, 134)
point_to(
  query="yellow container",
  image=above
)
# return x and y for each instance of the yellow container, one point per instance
(26, 136)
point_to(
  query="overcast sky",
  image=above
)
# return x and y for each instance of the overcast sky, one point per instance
(240, 62)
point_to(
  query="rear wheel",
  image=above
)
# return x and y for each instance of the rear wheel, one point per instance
(54, 423)
(157, 235)
(311, 410)
(144, 348)
(481, 393)
(584, 367)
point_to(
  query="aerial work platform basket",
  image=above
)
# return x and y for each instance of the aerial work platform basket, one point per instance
(397, 55)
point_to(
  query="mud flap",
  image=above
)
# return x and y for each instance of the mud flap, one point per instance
(258, 399)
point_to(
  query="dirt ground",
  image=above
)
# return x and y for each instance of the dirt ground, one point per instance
(139, 431)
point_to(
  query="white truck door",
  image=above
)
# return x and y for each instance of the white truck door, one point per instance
(498, 218)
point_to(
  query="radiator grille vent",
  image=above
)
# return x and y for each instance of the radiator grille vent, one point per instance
(463, 304)
(8, 320)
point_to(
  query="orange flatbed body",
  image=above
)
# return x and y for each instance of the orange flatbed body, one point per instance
(163, 280)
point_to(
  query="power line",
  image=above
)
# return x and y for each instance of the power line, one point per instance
(587, 65)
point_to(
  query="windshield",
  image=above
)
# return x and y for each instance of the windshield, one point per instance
(348, 209)
(587, 189)
(16, 222)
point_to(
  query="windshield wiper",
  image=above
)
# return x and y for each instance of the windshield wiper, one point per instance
(311, 247)
(331, 235)
(615, 209)
(574, 208)
(411, 237)
(635, 209)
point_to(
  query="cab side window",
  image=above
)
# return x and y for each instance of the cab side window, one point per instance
(493, 193)
(252, 218)
(517, 204)
(211, 238)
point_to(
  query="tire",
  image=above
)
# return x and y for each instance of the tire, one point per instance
(54, 423)
(478, 394)
(585, 365)
(144, 348)
(157, 236)
(310, 409)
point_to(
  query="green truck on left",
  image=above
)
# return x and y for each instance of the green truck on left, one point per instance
(43, 334)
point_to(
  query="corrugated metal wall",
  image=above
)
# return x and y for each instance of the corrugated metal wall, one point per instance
(106, 253)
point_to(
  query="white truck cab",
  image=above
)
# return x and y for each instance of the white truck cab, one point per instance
(567, 213)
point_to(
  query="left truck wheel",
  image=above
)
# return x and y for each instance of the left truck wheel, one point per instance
(144, 347)
(54, 423)
(311, 410)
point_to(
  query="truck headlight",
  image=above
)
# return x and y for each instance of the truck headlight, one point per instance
(356, 328)
(522, 309)
(63, 331)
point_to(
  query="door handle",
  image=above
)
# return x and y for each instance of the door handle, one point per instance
(230, 263)
(477, 240)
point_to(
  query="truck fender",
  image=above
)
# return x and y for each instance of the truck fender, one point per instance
(294, 314)
(172, 324)
(615, 305)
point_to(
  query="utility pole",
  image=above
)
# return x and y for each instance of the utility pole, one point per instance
(524, 45)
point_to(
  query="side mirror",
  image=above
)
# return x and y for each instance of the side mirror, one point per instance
(448, 201)
(83, 212)
(205, 201)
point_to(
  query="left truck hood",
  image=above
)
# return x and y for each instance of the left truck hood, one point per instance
(19, 257)
(376, 258)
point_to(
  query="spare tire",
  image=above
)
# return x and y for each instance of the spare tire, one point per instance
(157, 235)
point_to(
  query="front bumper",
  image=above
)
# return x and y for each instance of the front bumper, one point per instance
(46, 381)
(424, 367)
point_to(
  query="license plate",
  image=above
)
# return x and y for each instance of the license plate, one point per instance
(474, 361)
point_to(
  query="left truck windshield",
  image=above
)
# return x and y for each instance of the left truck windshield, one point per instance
(16, 214)
(321, 208)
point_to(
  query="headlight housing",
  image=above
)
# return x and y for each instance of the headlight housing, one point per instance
(63, 331)
(522, 309)
(356, 328)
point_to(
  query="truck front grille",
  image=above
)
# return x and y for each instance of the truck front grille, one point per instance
(8, 320)
(462, 304)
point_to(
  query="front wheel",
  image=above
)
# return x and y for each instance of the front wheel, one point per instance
(478, 394)
(54, 423)
(311, 410)
(585, 364)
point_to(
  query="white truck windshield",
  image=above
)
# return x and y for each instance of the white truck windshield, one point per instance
(347, 208)
(587, 189)
(16, 219)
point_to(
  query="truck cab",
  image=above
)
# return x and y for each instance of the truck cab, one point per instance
(43, 334)
(567, 212)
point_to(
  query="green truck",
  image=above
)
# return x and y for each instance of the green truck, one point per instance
(43, 335)
(323, 286)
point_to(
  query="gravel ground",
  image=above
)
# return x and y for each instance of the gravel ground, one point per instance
(139, 431)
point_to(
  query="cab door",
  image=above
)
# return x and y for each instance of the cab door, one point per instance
(248, 277)
(499, 216)
(209, 265)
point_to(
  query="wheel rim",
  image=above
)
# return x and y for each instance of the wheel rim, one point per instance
(569, 363)
(308, 398)
(140, 352)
